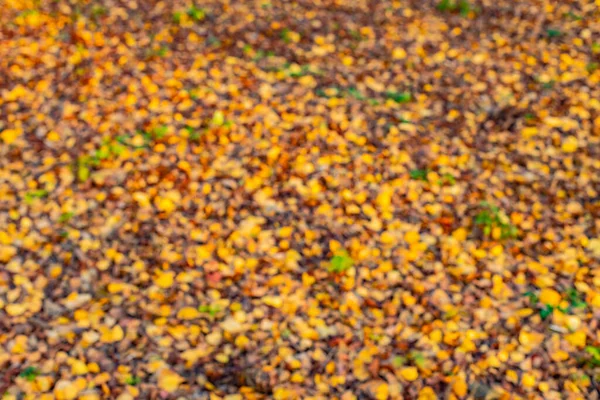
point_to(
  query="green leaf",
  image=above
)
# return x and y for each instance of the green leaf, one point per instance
(574, 299)
(133, 380)
(354, 92)
(418, 358)
(122, 139)
(285, 35)
(195, 13)
(160, 131)
(399, 97)
(218, 118)
(419, 174)
(445, 5)
(35, 194)
(65, 217)
(398, 361)
(117, 149)
(553, 33)
(533, 299)
(83, 173)
(103, 153)
(30, 373)
(449, 178)
(177, 17)
(340, 263)
(546, 311)
(594, 351)
(572, 16)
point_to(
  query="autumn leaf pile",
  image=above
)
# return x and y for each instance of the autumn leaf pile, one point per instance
(349, 199)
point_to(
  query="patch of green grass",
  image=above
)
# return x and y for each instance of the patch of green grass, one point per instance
(160, 132)
(193, 134)
(213, 41)
(354, 92)
(261, 54)
(533, 298)
(340, 263)
(594, 352)
(546, 311)
(592, 67)
(549, 85)
(529, 118)
(574, 300)
(553, 33)
(35, 194)
(419, 174)
(161, 52)
(30, 373)
(195, 13)
(463, 7)
(339, 92)
(447, 179)
(399, 97)
(285, 35)
(417, 358)
(398, 361)
(356, 35)
(490, 217)
(65, 217)
(210, 309)
(304, 70)
(133, 380)
(176, 17)
(572, 16)
(99, 11)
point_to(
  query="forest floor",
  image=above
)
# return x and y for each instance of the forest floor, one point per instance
(326, 199)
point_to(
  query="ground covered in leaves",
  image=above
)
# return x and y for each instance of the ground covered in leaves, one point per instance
(299, 199)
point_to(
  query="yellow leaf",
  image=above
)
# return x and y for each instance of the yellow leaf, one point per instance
(164, 279)
(570, 144)
(165, 204)
(188, 313)
(142, 199)
(218, 118)
(382, 391)
(15, 310)
(427, 393)
(550, 297)
(528, 379)
(169, 380)
(460, 387)
(399, 53)
(529, 132)
(409, 373)
(117, 333)
(10, 135)
(559, 355)
(79, 368)
(577, 339)
(65, 390)
(411, 237)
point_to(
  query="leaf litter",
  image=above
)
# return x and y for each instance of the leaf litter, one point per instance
(349, 199)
